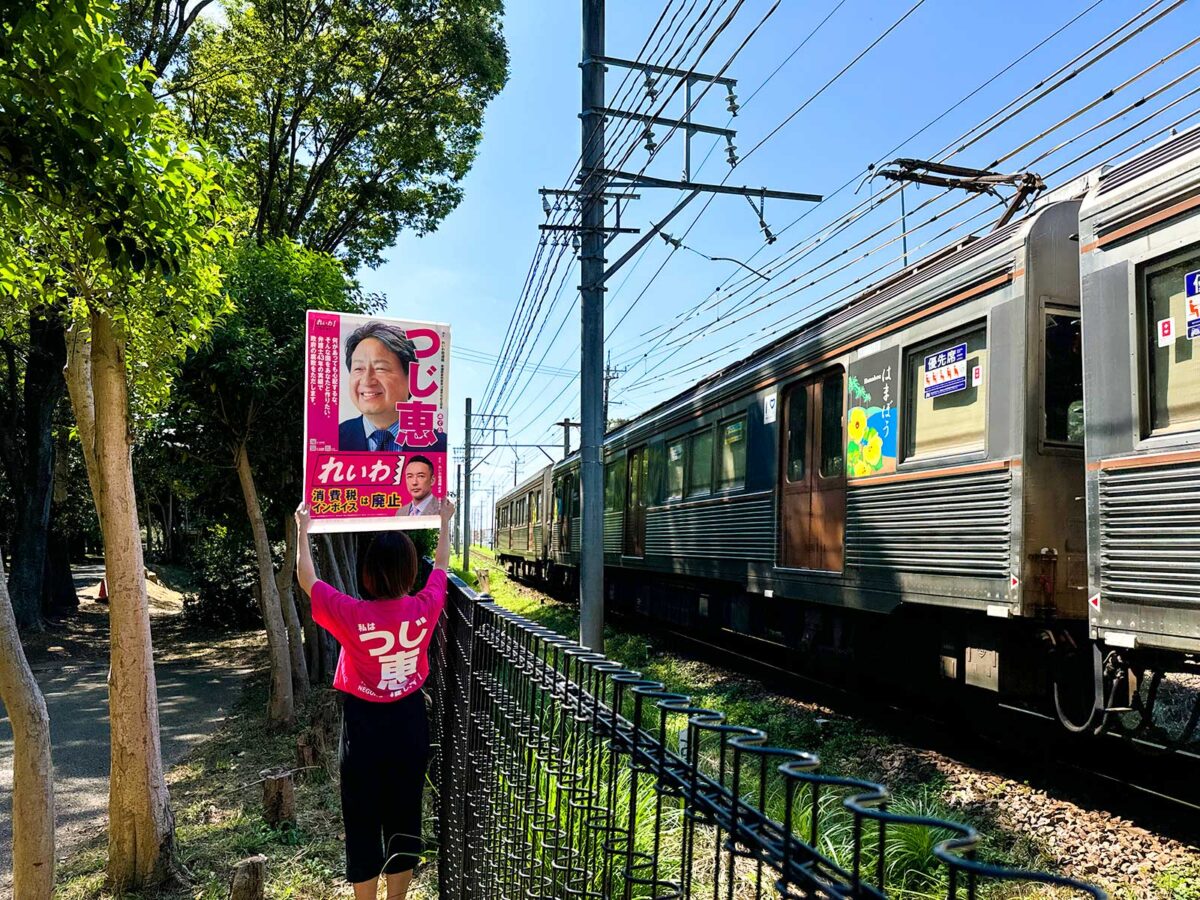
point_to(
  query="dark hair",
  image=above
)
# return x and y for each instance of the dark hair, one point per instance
(421, 459)
(390, 566)
(390, 336)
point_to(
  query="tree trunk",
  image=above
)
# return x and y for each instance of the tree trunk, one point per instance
(59, 594)
(31, 467)
(281, 706)
(141, 828)
(33, 775)
(285, 580)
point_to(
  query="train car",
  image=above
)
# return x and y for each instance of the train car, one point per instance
(1139, 248)
(906, 476)
(521, 527)
(919, 447)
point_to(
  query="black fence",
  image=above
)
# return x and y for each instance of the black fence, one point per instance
(562, 775)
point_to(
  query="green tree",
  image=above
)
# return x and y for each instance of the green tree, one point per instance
(110, 217)
(349, 120)
(241, 396)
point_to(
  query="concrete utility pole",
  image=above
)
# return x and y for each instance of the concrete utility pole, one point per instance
(458, 512)
(591, 358)
(516, 462)
(567, 425)
(610, 375)
(597, 184)
(466, 500)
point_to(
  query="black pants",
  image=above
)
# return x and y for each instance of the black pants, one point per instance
(383, 756)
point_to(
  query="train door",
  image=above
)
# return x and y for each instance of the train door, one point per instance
(637, 484)
(812, 491)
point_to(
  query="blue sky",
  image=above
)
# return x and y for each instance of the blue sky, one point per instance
(470, 272)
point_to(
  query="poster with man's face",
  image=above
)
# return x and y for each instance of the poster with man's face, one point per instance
(375, 413)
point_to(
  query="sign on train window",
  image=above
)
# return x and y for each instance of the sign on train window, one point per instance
(731, 465)
(946, 395)
(700, 463)
(1062, 387)
(675, 470)
(1171, 292)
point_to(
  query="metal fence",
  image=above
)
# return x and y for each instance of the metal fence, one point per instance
(561, 774)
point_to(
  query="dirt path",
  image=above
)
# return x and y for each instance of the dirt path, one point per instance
(198, 679)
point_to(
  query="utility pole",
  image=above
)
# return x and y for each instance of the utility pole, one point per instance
(466, 500)
(610, 375)
(516, 462)
(596, 185)
(567, 425)
(591, 357)
(493, 518)
(458, 512)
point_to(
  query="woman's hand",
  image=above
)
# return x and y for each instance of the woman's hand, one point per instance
(306, 573)
(447, 511)
(303, 519)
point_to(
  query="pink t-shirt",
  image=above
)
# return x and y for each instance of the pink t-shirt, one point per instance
(385, 643)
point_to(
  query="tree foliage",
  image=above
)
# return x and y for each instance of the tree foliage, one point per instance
(349, 120)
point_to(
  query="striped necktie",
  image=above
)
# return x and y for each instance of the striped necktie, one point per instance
(382, 439)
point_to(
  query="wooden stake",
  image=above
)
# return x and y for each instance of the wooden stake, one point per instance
(279, 799)
(249, 879)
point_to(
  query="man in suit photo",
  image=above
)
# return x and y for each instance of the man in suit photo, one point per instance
(377, 356)
(418, 476)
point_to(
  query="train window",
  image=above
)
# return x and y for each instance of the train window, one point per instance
(833, 444)
(614, 484)
(1173, 363)
(675, 470)
(1063, 379)
(533, 510)
(731, 460)
(946, 395)
(797, 432)
(700, 463)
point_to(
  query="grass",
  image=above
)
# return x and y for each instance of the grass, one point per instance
(216, 795)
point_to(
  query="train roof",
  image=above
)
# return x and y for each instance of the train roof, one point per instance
(1162, 175)
(533, 481)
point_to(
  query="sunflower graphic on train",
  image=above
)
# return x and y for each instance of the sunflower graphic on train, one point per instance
(871, 434)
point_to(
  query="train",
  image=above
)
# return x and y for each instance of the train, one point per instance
(984, 469)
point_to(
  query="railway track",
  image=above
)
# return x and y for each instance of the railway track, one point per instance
(1139, 781)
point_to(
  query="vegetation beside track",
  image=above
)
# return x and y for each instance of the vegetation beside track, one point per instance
(921, 782)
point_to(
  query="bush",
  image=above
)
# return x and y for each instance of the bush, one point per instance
(226, 576)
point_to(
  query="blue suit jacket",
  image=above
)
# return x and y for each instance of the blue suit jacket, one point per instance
(351, 436)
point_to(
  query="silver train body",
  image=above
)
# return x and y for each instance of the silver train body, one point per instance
(994, 440)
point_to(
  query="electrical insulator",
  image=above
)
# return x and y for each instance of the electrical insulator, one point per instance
(651, 87)
(546, 208)
(576, 243)
(651, 146)
(731, 151)
(731, 99)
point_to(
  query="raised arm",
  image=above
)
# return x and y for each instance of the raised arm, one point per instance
(305, 572)
(441, 558)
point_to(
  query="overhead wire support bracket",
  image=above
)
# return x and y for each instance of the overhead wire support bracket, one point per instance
(687, 124)
(646, 181)
(580, 229)
(660, 70)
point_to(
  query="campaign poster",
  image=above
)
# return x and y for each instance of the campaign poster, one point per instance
(872, 426)
(375, 414)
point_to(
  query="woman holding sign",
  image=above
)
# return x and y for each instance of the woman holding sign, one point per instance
(383, 663)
